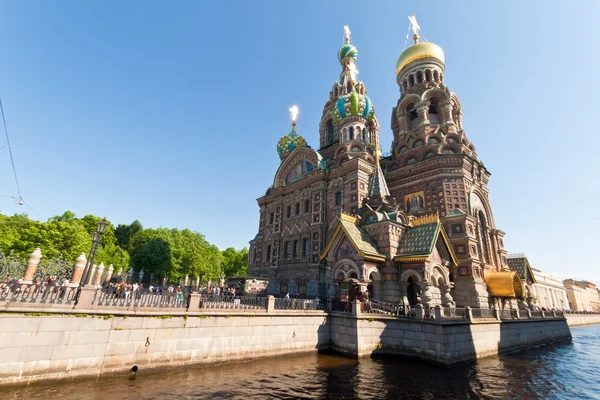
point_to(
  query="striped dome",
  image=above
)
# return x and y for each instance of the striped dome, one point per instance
(347, 50)
(289, 142)
(353, 104)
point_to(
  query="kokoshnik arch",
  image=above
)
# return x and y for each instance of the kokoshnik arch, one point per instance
(417, 225)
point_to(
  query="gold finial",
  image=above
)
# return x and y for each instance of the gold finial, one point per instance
(347, 33)
(294, 115)
(415, 27)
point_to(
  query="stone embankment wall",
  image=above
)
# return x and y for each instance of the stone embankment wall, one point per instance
(582, 319)
(444, 342)
(63, 346)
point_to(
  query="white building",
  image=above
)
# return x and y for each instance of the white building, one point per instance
(549, 291)
(583, 295)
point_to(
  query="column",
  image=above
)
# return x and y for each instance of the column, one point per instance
(109, 273)
(423, 112)
(99, 272)
(32, 263)
(78, 271)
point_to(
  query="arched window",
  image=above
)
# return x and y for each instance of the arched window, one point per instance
(364, 135)
(297, 208)
(338, 199)
(305, 247)
(411, 81)
(283, 286)
(269, 253)
(289, 211)
(307, 206)
(413, 116)
(483, 236)
(330, 133)
(433, 111)
(351, 133)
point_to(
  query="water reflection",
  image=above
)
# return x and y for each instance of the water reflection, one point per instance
(562, 371)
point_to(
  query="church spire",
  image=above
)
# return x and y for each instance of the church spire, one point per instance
(377, 185)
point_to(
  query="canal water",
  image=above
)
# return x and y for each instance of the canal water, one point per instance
(568, 370)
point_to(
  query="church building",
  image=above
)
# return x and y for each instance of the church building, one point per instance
(415, 226)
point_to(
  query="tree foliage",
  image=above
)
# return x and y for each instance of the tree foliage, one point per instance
(164, 253)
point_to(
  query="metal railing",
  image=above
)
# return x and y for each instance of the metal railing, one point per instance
(138, 298)
(341, 306)
(233, 302)
(483, 313)
(33, 293)
(455, 313)
(297, 304)
(380, 307)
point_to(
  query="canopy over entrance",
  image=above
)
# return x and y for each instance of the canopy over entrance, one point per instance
(504, 284)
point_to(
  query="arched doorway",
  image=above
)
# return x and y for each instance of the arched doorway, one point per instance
(374, 288)
(412, 291)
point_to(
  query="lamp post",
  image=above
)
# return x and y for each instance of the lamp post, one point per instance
(96, 235)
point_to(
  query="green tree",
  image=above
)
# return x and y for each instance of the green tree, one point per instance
(235, 262)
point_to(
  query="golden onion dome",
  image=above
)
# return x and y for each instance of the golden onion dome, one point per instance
(418, 51)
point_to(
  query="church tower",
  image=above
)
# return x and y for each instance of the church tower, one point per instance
(433, 168)
(312, 189)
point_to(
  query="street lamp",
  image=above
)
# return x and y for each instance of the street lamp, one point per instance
(96, 235)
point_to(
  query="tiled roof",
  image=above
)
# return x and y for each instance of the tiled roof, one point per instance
(521, 266)
(419, 240)
(359, 239)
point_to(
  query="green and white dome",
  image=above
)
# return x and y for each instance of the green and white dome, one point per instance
(289, 142)
(353, 104)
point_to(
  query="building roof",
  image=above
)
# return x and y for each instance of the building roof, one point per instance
(418, 242)
(520, 264)
(359, 239)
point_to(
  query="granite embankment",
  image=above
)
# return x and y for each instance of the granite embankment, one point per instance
(35, 346)
(582, 319)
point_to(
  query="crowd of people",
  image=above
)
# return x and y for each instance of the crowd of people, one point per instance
(50, 285)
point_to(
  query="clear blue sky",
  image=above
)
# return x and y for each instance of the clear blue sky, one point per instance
(169, 112)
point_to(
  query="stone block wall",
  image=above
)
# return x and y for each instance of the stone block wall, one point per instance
(582, 319)
(444, 342)
(53, 347)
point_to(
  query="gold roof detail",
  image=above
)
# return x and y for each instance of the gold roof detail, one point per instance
(504, 284)
(348, 217)
(418, 51)
(428, 219)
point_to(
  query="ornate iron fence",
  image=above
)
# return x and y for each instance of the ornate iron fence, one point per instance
(341, 306)
(233, 302)
(137, 298)
(454, 313)
(297, 304)
(33, 293)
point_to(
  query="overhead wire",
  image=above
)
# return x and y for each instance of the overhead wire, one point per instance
(12, 160)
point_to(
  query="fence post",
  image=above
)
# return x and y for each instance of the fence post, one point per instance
(109, 273)
(469, 313)
(194, 305)
(32, 263)
(497, 313)
(99, 272)
(438, 312)
(516, 314)
(356, 308)
(270, 304)
(528, 312)
(78, 271)
(554, 313)
(419, 313)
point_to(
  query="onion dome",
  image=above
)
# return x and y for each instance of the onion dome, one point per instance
(353, 104)
(418, 51)
(347, 50)
(289, 142)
